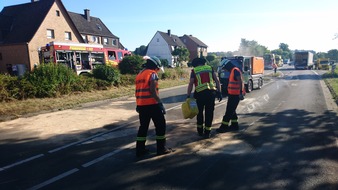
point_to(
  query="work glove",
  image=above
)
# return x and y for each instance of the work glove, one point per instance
(241, 97)
(162, 108)
(137, 109)
(219, 96)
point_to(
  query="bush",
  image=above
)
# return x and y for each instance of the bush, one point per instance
(131, 64)
(84, 83)
(127, 79)
(5, 85)
(107, 73)
(23, 89)
(164, 62)
(51, 80)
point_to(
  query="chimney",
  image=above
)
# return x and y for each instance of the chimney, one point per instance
(87, 14)
(169, 33)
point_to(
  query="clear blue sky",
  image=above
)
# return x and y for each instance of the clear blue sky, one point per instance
(302, 24)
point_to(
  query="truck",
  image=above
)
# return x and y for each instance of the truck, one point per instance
(82, 58)
(279, 61)
(323, 63)
(252, 70)
(303, 60)
(269, 58)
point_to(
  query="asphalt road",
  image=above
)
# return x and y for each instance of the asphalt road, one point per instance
(287, 140)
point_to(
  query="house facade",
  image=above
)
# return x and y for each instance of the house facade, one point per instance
(195, 46)
(24, 31)
(94, 31)
(163, 44)
(23, 37)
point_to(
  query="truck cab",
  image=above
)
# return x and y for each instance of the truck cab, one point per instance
(323, 63)
(252, 69)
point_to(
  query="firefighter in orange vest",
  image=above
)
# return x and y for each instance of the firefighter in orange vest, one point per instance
(150, 107)
(236, 93)
(207, 88)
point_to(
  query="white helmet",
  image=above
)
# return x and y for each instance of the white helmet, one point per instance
(155, 60)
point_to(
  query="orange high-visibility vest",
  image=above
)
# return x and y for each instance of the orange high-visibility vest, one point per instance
(204, 78)
(142, 92)
(234, 87)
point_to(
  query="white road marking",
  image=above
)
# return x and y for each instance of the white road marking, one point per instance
(21, 162)
(108, 155)
(54, 179)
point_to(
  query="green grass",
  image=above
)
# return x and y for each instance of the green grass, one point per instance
(331, 80)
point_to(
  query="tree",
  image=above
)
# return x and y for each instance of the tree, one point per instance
(333, 54)
(284, 51)
(182, 54)
(142, 50)
(251, 48)
(131, 64)
(320, 55)
(277, 51)
(284, 47)
(210, 57)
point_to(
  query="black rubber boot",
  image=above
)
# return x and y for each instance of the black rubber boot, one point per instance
(222, 129)
(234, 126)
(141, 149)
(206, 134)
(161, 149)
(200, 131)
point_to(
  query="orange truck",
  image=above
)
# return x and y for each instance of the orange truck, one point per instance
(252, 69)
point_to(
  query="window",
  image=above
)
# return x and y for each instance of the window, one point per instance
(0, 56)
(68, 36)
(99, 27)
(111, 55)
(95, 39)
(50, 33)
(105, 41)
(84, 37)
(114, 42)
(120, 54)
(57, 13)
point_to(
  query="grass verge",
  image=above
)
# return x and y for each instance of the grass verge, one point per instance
(30, 107)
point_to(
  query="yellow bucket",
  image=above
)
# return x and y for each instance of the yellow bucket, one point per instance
(189, 108)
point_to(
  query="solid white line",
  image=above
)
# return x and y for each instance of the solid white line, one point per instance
(21, 162)
(107, 155)
(54, 179)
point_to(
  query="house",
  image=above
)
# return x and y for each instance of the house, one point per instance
(163, 44)
(195, 46)
(94, 31)
(24, 31)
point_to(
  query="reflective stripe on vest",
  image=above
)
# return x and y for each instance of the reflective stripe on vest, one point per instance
(234, 86)
(142, 92)
(204, 78)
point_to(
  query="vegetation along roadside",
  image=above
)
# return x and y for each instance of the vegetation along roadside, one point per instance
(53, 87)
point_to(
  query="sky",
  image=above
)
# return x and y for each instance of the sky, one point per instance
(220, 24)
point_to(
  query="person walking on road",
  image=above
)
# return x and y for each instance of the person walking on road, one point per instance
(150, 107)
(236, 93)
(204, 79)
(274, 66)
